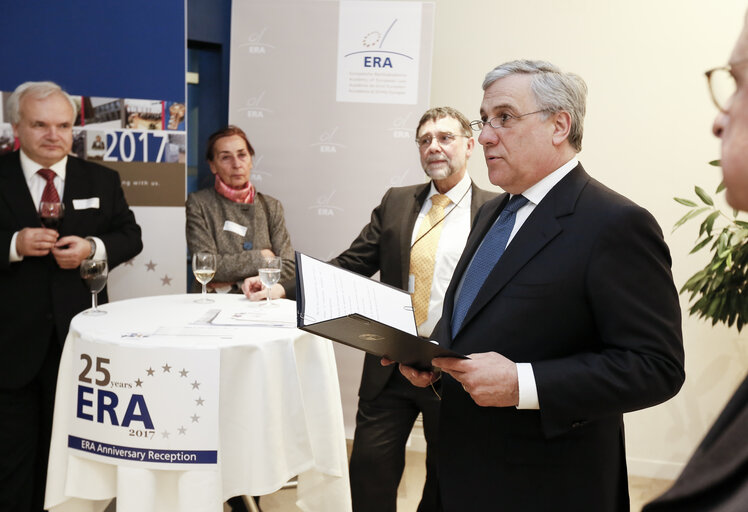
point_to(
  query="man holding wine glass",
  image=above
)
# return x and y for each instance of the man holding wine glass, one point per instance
(40, 270)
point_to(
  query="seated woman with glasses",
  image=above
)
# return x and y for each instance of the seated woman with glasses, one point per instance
(241, 226)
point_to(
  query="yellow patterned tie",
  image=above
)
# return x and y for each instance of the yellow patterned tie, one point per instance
(423, 256)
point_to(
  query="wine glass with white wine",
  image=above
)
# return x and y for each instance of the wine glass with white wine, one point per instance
(270, 273)
(94, 273)
(204, 268)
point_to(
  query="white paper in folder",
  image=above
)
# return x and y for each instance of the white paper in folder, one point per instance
(330, 292)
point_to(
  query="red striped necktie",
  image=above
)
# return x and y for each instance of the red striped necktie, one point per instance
(50, 192)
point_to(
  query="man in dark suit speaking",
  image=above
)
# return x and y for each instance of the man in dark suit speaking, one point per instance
(42, 288)
(565, 303)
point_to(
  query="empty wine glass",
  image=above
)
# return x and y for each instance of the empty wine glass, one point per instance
(94, 273)
(204, 268)
(51, 214)
(270, 273)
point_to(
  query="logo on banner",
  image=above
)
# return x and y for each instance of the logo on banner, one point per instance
(400, 130)
(254, 108)
(327, 142)
(258, 173)
(254, 44)
(378, 52)
(373, 56)
(152, 407)
(324, 206)
(397, 180)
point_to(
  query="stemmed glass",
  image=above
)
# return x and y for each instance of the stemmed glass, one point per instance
(51, 214)
(204, 268)
(270, 273)
(94, 273)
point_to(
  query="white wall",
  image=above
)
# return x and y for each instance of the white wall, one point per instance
(647, 135)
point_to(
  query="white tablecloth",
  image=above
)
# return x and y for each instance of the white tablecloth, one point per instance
(280, 415)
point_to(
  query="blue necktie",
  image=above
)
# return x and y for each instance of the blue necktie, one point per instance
(485, 259)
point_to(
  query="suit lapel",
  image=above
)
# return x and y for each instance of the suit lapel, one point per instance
(474, 206)
(15, 190)
(538, 230)
(406, 229)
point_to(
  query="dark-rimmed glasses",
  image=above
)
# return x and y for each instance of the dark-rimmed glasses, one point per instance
(722, 84)
(501, 121)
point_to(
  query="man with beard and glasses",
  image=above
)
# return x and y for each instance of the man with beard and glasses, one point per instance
(414, 239)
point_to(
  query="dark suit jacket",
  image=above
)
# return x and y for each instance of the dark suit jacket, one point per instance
(584, 293)
(716, 477)
(37, 295)
(384, 246)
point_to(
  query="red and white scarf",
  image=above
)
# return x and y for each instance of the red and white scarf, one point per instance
(246, 194)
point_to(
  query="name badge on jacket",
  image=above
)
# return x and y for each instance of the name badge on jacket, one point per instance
(235, 228)
(86, 204)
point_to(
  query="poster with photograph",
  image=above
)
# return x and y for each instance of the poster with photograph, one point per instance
(175, 113)
(144, 114)
(7, 140)
(102, 112)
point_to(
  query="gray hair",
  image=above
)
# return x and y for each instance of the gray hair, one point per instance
(38, 90)
(436, 113)
(554, 91)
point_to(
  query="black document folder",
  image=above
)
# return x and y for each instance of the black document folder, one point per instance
(353, 328)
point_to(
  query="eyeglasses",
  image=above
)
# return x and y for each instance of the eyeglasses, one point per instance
(444, 139)
(722, 84)
(503, 120)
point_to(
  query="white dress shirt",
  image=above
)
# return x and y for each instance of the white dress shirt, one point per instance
(455, 231)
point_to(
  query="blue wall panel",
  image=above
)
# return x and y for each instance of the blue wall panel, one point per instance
(130, 49)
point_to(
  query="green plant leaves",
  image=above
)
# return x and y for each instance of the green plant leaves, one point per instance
(686, 202)
(704, 196)
(719, 291)
(689, 215)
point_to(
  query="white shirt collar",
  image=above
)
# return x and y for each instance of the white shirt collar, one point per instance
(30, 167)
(455, 193)
(537, 192)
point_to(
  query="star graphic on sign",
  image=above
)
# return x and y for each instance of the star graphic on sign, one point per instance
(196, 385)
(130, 263)
(150, 371)
(195, 418)
(165, 434)
(166, 280)
(182, 431)
(166, 368)
(138, 383)
(150, 266)
(183, 373)
(199, 401)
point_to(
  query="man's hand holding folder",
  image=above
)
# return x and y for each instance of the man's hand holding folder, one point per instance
(361, 313)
